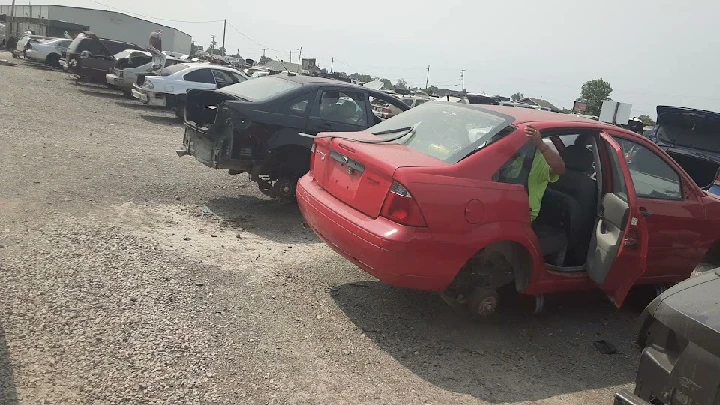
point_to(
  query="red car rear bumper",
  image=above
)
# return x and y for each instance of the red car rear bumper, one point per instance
(395, 254)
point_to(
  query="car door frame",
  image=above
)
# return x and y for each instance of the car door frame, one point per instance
(629, 263)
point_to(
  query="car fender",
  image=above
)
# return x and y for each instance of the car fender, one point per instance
(488, 234)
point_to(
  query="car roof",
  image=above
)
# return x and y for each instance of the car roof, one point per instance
(527, 115)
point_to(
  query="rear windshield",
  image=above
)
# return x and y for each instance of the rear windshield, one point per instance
(446, 131)
(260, 89)
(693, 131)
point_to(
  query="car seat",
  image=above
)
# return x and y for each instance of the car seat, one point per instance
(577, 183)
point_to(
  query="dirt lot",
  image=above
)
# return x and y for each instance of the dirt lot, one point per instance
(129, 275)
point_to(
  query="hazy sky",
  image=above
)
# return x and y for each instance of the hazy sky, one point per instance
(651, 51)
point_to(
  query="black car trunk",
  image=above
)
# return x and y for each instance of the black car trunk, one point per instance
(692, 138)
(201, 107)
(702, 170)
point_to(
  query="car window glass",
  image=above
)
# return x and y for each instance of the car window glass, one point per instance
(517, 169)
(619, 187)
(238, 77)
(651, 175)
(345, 107)
(299, 105)
(200, 76)
(222, 78)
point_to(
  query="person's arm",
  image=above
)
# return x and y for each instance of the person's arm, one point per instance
(553, 159)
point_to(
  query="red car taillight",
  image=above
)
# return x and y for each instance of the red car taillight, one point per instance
(717, 181)
(401, 207)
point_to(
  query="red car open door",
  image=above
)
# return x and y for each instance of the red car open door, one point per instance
(616, 259)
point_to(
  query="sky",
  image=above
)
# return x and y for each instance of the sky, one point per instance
(651, 51)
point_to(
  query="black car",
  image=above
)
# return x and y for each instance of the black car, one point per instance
(680, 337)
(692, 138)
(255, 126)
(91, 57)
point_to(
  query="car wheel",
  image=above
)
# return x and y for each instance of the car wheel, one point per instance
(53, 60)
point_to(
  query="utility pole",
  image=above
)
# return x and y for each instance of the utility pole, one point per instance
(223, 45)
(8, 32)
(212, 43)
(300, 57)
(427, 78)
(462, 78)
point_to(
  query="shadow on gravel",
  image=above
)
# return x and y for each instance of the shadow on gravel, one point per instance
(108, 93)
(269, 219)
(8, 392)
(511, 358)
(136, 105)
(160, 120)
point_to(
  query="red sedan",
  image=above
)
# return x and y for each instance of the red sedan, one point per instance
(435, 199)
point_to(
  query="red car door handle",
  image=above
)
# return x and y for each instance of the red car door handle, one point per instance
(644, 211)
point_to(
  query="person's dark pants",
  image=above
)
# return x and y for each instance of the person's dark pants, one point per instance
(553, 243)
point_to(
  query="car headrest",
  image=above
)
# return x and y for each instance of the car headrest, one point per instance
(578, 158)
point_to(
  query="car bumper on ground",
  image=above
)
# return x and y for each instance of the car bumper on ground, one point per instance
(113, 80)
(397, 255)
(626, 398)
(150, 98)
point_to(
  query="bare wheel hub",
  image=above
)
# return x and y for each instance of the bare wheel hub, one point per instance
(483, 302)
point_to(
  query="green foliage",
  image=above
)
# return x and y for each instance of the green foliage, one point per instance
(593, 93)
(401, 84)
(517, 97)
(646, 120)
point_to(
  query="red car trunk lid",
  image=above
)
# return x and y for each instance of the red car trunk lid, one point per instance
(360, 174)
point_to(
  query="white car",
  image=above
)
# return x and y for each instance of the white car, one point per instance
(169, 90)
(126, 71)
(50, 51)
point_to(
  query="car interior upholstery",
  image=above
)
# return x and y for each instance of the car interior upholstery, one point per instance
(572, 202)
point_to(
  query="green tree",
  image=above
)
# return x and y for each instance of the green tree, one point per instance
(264, 60)
(401, 84)
(431, 90)
(517, 97)
(387, 84)
(593, 93)
(646, 120)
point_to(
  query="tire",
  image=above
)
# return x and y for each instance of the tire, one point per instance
(180, 107)
(53, 60)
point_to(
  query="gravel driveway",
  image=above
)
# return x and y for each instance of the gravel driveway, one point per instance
(129, 275)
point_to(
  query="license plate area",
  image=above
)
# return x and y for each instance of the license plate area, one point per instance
(344, 175)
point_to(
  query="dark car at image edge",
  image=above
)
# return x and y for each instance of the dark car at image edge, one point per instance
(680, 337)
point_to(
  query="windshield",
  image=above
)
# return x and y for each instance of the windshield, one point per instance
(261, 88)
(690, 130)
(445, 131)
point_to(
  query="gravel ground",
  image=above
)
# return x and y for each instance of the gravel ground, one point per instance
(129, 275)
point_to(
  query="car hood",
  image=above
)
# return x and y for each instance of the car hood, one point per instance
(692, 310)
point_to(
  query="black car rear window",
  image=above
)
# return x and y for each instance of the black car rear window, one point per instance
(261, 88)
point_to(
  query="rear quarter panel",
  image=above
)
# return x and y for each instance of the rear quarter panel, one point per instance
(443, 194)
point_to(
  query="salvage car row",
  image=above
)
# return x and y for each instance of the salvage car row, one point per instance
(436, 198)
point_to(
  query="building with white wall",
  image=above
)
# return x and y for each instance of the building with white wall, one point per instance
(105, 24)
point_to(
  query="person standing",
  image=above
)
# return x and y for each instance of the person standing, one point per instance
(158, 58)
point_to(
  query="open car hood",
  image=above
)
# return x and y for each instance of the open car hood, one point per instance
(688, 117)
